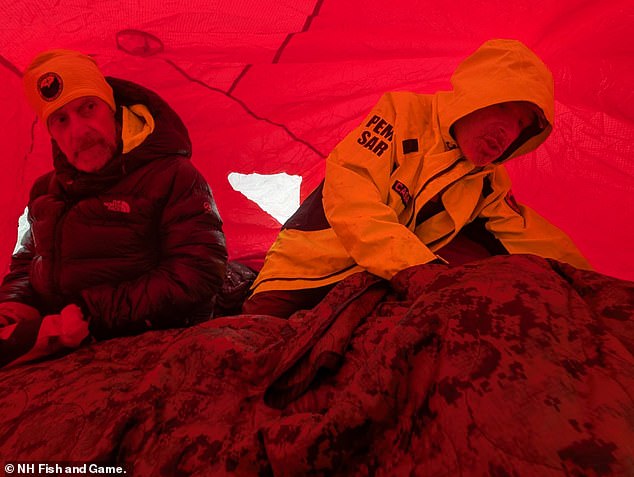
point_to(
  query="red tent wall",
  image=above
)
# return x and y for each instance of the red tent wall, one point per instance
(266, 86)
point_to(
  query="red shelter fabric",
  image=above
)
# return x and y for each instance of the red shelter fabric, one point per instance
(268, 87)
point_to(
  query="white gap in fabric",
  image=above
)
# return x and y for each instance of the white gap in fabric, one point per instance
(276, 194)
(23, 227)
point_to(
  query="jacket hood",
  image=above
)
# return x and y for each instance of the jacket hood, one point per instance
(497, 72)
(169, 138)
(170, 135)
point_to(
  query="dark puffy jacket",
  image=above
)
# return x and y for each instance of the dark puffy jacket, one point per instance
(138, 245)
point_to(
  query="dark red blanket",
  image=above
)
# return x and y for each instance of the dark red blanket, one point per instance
(511, 366)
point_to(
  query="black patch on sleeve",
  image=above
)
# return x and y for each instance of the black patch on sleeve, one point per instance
(410, 145)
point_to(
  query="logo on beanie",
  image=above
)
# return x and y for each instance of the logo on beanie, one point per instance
(49, 86)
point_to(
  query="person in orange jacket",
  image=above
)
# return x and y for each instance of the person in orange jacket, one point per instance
(416, 172)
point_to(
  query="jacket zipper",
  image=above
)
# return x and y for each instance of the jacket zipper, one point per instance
(56, 268)
(422, 189)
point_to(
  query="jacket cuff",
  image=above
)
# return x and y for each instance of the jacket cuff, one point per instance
(86, 311)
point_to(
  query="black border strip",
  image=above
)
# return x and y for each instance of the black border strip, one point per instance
(239, 78)
(246, 108)
(10, 66)
(304, 29)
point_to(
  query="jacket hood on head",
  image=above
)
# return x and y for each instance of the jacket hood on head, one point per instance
(497, 72)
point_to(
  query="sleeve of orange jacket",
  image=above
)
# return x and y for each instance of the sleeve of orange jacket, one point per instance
(522, 230)
(356, 193)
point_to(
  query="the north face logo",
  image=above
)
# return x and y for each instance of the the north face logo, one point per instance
(50, 86)
(118, 206)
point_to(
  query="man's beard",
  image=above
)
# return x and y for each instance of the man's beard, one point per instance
(92, 154)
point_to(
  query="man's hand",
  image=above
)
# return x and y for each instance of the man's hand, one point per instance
(66, 330)
(74, 328)
(69, 328)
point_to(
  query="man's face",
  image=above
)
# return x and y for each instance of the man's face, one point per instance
(485, 134)
(86, 131)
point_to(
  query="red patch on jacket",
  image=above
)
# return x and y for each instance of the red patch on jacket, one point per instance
(402, 190)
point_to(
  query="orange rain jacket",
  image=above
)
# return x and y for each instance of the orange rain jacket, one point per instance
(402, 159)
